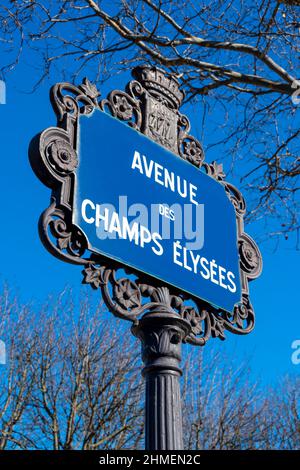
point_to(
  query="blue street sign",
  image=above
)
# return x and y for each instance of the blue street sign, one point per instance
(144, 206)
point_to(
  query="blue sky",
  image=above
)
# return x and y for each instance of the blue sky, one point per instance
(34, 273)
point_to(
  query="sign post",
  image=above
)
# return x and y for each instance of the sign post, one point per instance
(153, 225)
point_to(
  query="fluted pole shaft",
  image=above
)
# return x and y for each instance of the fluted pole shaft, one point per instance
(161, 336)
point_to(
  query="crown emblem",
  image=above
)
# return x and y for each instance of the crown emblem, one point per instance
(159, 84)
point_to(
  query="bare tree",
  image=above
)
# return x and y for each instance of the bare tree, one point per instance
(224, 409)
(89, 387)
(282, 415)
(238, 58)
(72, 381)
(18, 374)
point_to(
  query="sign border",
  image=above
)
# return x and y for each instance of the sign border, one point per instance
(150, 104)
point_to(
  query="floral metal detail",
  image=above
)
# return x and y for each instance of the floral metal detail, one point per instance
(124, 106)
(62, 156)
(124, 110)
(127, 293)
(193, 151)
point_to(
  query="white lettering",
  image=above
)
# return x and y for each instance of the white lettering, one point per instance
(85, 203)
(232, 286)
(164, 177)
(136, 162)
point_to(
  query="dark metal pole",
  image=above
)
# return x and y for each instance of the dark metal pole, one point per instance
(161, 335)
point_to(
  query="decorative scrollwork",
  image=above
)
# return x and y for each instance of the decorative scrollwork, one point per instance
(209, 322)
(235, 196)
(78, 100)
(241, 320)
(123, 296)
(69, 242)
(184, 126)
(131, 298)
(250, 258)
(215, 170)
(197, 318)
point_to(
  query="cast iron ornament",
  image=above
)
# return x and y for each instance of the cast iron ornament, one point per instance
(150, 104)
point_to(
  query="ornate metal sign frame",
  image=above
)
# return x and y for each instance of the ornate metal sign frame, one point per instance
(150, 104)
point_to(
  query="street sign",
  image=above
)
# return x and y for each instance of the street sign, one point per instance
(153, 225)
(140, 204)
